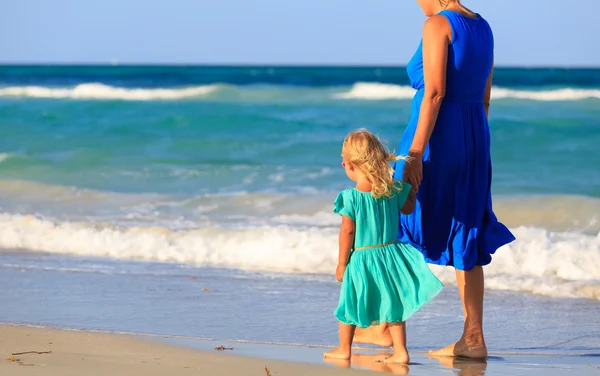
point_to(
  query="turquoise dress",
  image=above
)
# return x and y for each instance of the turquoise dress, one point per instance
(453, 222)
(385, 280)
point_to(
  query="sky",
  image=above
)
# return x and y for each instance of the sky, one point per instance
(321, 32)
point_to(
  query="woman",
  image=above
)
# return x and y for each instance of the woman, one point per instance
(449, 142)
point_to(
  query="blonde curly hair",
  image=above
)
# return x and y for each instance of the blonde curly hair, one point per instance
(365, 151)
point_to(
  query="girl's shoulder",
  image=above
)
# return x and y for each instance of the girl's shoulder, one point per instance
(348, 196)
(347, 201)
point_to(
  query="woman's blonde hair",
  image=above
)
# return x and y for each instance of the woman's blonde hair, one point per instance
(365, 151)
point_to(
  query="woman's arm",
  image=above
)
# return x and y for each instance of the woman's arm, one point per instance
(347, 230)
(436, 36)
(488, 91)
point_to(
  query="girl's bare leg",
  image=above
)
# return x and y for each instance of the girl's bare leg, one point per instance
(398, 333)
(344, 350)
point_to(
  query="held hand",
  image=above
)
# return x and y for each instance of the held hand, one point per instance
(339, 272)
(413, 170)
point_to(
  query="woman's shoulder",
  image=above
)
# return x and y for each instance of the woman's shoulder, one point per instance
(435, 26)
(436, 22)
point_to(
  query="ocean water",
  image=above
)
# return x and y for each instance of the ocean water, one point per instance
(121, 188)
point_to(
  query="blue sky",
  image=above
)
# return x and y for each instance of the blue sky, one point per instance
(528, 32)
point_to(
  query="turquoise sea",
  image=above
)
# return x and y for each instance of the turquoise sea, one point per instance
(148, 184)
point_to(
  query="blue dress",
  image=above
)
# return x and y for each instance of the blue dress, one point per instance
(453, 223)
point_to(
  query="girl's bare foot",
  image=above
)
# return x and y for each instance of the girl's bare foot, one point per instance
(338, 353)
(399, 357)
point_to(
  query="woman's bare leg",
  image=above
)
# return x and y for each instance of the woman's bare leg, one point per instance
(472, 343)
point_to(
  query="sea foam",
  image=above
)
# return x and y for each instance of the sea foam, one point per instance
(105, 92)
(379, 91)
(559, 264)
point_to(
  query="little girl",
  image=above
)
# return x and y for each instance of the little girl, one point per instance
(383, 281)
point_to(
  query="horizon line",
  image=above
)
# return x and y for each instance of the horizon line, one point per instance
(271, 65)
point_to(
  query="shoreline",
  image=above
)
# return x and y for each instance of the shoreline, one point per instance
(34, 350)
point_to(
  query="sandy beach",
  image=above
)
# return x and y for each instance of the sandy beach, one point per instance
(40, 351)
(32, 351)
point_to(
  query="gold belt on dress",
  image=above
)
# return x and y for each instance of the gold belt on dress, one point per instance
(376, 246)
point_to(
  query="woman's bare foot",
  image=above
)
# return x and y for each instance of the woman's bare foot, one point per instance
(338, 353)
(472, 343)
(399, 357)
(476, 350)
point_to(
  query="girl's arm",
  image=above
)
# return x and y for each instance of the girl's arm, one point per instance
(410, 203)
(347, 230)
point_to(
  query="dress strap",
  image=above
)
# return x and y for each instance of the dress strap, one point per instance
(451, 17)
